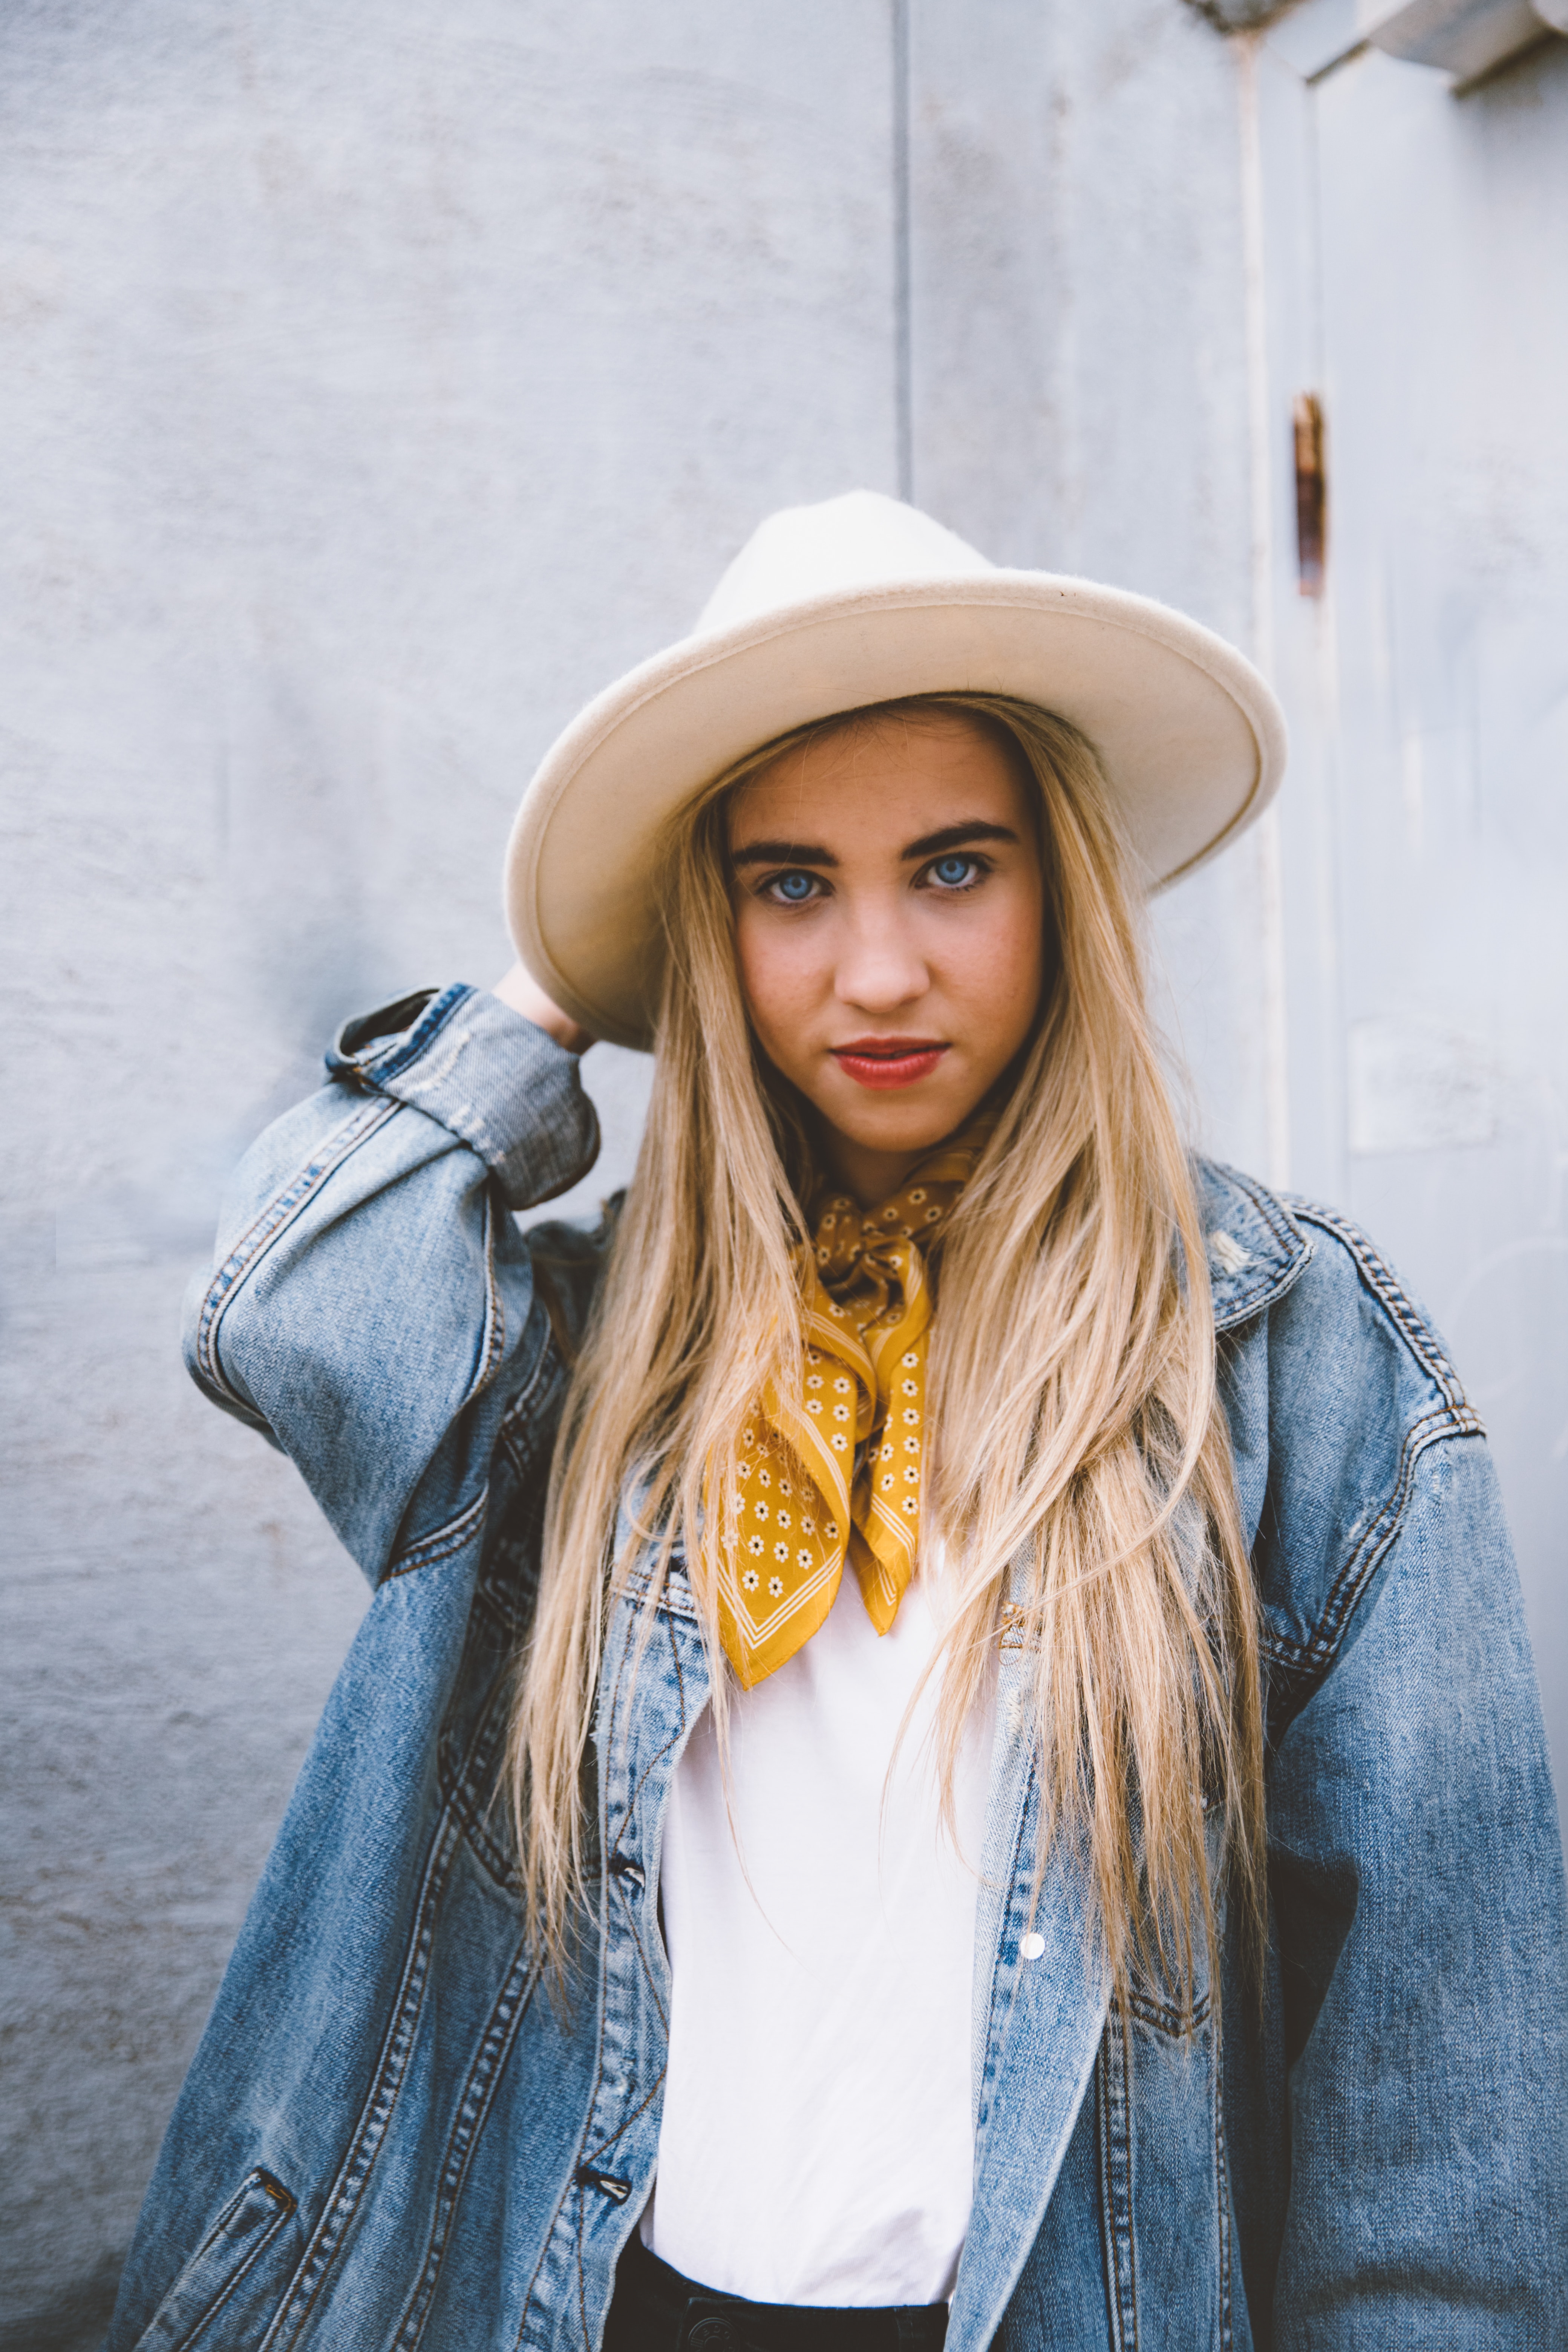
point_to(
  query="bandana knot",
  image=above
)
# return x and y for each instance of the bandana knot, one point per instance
(836, 1472)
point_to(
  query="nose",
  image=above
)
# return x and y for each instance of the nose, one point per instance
(881, 964)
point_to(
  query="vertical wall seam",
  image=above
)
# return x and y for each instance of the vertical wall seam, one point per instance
(1266, 843)
(903, 362)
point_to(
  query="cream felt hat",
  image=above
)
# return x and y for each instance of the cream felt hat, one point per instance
(828, 607)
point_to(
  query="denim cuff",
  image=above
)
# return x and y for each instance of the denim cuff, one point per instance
(465, 1058)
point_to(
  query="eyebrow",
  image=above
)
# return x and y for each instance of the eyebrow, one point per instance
(930, 844)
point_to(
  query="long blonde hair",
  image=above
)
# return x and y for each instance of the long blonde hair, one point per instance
(1073, 1399)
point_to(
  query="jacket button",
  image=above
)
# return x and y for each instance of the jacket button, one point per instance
(616, 2191)
(1032, 1946)
(623, 1867)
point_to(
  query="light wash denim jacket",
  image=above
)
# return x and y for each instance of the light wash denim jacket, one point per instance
(392, 2138)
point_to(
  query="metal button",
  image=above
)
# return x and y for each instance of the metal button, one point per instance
(711, 2335)
(590, 2176)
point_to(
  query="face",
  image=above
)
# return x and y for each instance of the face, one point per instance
(889, 911)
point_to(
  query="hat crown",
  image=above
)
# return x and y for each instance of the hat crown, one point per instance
(856, 601)
(860, 541)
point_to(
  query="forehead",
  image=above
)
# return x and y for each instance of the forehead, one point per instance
(866, 772)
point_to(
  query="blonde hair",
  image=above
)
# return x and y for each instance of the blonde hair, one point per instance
(1073, 1399)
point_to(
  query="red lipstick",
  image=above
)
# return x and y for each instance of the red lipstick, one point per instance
(881, 1062)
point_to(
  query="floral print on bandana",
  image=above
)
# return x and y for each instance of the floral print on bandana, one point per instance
(836, 1472)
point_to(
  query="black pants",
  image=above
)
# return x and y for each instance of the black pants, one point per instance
(656, 2310)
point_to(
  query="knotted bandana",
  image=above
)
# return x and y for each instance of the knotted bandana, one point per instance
(837, 1471)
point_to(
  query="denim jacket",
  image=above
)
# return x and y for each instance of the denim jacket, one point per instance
(392, 2136)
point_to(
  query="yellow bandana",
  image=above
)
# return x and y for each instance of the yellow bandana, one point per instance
(799, 1503)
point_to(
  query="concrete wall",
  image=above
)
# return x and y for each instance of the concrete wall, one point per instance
(1080, 394)
(375, 384)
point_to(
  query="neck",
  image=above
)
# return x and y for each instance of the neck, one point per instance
(869, 1177)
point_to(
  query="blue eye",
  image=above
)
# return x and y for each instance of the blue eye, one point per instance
(794, 889)
(952, 872)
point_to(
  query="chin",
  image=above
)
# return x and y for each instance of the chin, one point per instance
(896, 1126)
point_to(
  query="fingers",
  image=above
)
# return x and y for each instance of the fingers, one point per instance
(523, 993)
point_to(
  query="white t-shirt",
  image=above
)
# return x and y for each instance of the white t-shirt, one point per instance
(817, 2139)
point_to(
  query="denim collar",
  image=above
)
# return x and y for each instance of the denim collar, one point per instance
(1256, 1248)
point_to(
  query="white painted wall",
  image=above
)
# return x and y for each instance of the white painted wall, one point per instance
(1415, 248)
(1081, 394)
(375, 382)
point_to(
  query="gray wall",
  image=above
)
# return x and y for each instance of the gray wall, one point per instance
(376, 382)
(1412, 243)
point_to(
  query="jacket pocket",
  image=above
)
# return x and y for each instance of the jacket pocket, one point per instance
(242, 2231)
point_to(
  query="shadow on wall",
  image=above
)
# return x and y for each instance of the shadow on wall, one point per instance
(75, 2321)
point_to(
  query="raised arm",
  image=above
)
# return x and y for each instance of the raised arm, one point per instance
(374, 1307)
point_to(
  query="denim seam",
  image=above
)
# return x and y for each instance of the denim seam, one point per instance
(283, 2208)
(453, 1535)
(1312, 1659)
(582, 2222)
(634, 1929)
(381, 2099)
(604, 2147)
(630, 1815)
(442, 1542)
(1222, 2199)
(1165, 2017)
(992, 2023)
(627, 1812)
(638, 1583)
(675, 1658)
(1253, 1303)
(1116, 2186)
(493, 1344)
(378, 1068)
(1103, 2170)
(648, 1972)
(581, 2273)
(497, 1603)
(1282, 1226)
(511, 2004)
(1407, 1320)
(465, 1783)
(1270, 1207)
(595, 2094)
(549, 1355)
(572, 2182)
(264, 1230)
(666, 1610)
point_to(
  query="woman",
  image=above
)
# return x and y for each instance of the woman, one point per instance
(945, 1745)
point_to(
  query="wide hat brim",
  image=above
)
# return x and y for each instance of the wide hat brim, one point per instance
(1189, 734)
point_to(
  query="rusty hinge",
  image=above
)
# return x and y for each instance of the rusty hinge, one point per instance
(1312, 493)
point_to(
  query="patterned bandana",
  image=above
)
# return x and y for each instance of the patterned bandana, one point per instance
(837, 1471)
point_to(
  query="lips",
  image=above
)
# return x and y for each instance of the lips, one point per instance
(884, 1062)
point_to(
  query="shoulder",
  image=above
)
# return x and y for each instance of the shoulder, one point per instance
(1336, 1386)
(1312, 1288)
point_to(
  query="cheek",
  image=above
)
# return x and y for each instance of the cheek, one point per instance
(1029, 957)
(1007, 963)
(775, 980)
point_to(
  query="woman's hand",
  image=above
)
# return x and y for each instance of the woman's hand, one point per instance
(523, 993)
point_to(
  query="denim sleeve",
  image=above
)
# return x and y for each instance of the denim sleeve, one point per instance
(374, 1307)
(1419, 1893)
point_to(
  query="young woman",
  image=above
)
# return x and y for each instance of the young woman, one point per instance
(945, 1745)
